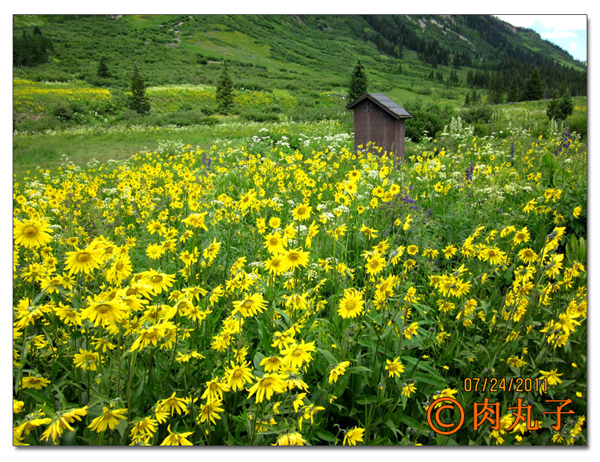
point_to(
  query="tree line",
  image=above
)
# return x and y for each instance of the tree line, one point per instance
(31, 49)
(392, 35)
(558, 108)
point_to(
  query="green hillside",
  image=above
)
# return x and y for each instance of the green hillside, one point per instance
(282, 66)
(205, 255)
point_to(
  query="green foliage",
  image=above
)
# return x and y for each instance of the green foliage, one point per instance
(578, 123)
(224, 93)
(534, 87)
(576, 250)
(565, 105)
(31, 50)
(138, 100)
(256, 115)
(443, 319)
(305, 58)
(296, 54)
(496, 92)
(559, 109)
(478, 114)
(358, 82)
(103, 70)
(467, 99)
(427, 120)
(513, 91)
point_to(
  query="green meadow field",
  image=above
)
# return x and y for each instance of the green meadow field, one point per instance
(188, 277)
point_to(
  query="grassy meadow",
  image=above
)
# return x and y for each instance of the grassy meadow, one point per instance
(229, 281)
(184, 277)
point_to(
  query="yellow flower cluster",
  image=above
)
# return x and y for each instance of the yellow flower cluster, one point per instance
(245, 289)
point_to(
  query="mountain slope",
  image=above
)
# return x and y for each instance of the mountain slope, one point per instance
(298, 52)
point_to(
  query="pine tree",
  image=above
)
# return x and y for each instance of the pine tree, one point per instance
(358, 82)
(496, 88)
(513, 91)
(138, 100)
(224, 95)
(559, 108)
(103, 70)
(454, 77)
(31, 50)
(552, 110)
(566, 105)
(534, 87)
(469, 77)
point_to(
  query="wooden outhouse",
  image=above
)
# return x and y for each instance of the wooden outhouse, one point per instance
(380, 120)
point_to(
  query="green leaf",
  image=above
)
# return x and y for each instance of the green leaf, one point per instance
(40, 397)
(68, 438)
(258, 357)
(422, 378)
(325, 435)
(379, 442)
(122, 427)
(358, 370)
(264, 336)
(60, 396)
(328, 355)
(339, 407)
(409, 421)
(451, 442)
(139, 389)
(90, 441)
(392, 426)
(367, 400)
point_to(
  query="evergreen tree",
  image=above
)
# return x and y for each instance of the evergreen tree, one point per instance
(31, 50)
(138, 100)
(513, 91)
(454, 77)
(496, 88)
(534, 87)
(469, 77)
(399, 50)
(103, 70)
(358, 82)
(224, 95)
(559, 108)
(456, 61)
(467, 99)
(566, 105)
(552, 110)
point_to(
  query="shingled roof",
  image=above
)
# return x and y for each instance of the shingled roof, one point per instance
(385, 103)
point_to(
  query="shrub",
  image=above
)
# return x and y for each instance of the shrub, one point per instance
(259, 116)
(186, 118)
(578, 123)
(62, 110)
(50, 75)
(430, 118)
(476, 114)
